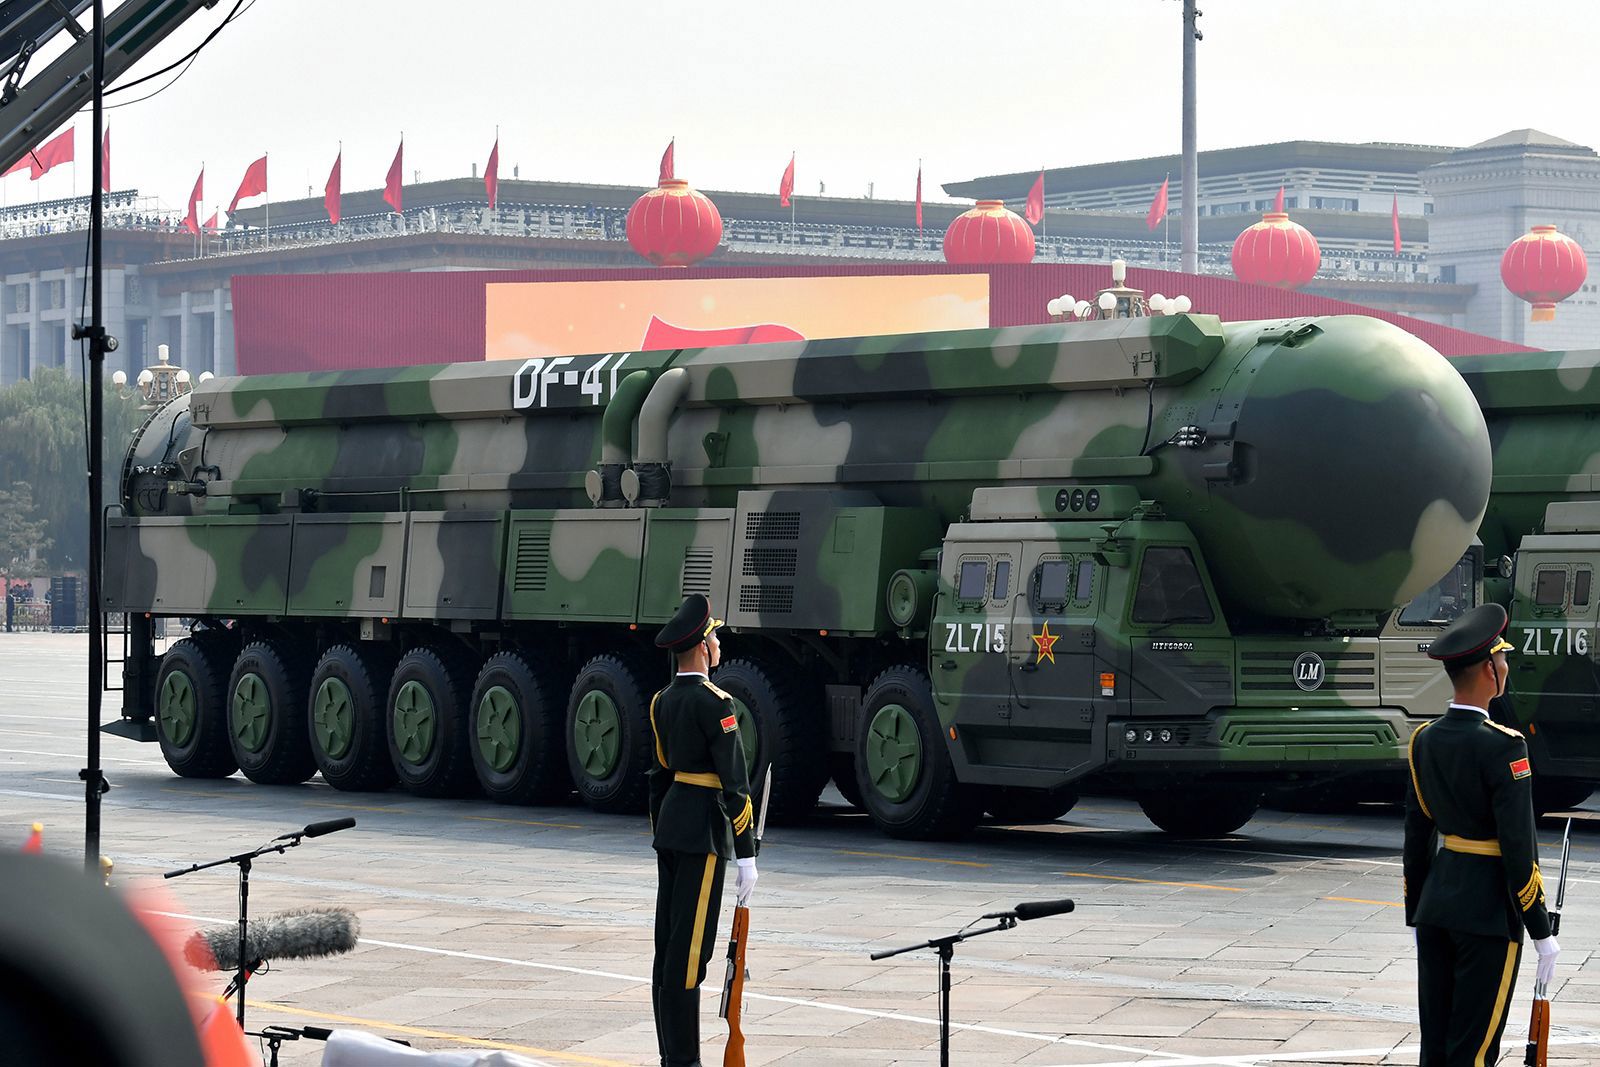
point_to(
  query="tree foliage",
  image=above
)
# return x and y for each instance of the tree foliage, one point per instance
(42, 436)
(23, 541)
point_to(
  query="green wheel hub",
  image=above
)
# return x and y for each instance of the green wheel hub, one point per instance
(252, 712)
(597, 734)
(333, 718)
(175, 707)
(415, 723)
(499, 729)
(747, 736)
(894, 753)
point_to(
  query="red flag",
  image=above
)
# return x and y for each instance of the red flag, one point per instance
(105, 162)
(391, 186)
(39, 161)
(666, 161)
(1394, 220)
(919, 196)
(191, 221)
(211, 223)
(786, 184)
(491, 173)
(1277, 205)
(254, 184)
(661, 335)
(330, 194)
(1158, 207)
(55, 151)
(1034, 212)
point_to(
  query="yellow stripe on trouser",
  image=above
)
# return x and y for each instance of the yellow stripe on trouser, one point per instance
(1473, 846)
(1499, 1010)
(700, 911)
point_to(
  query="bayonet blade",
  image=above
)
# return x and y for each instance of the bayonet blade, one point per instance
(766, 796)
(1566, 852)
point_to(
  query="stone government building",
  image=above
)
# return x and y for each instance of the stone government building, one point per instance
(1459, 208)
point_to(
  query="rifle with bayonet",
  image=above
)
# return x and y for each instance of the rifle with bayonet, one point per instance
(732, 1006)
(1539, 1025)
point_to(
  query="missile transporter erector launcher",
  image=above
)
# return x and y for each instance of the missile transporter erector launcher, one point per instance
(961, 571)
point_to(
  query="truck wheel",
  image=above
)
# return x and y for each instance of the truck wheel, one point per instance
(516, 721)
(349, 734)
(428, 736)
(1559, 794)
(779, 731)
(1008, 804)
(1200, 812)
(191, 710)
(609, 740)
(903, 768)
(266, 719)
(843, 770)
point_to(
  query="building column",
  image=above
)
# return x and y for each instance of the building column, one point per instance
(221, 333)
(186, 329)
(35, 323)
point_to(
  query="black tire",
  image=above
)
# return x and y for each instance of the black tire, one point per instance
(194, 734)
(842, 767)
(1022, 807)
(1559, 794)
(788, 736)
(266, 715)
(929, 803)
(1200, 811)
(427, 722)
(608, 739)
(515, 721)
(347, 715)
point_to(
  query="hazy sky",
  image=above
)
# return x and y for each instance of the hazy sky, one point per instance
(593, 90)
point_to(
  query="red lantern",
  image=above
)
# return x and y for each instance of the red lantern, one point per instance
(988, 233)
(1276, 252)
(673, 225)
(1544, 267)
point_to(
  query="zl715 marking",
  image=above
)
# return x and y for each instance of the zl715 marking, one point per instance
(975, 637)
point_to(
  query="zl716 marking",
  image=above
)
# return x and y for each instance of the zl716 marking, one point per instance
(974, 637)
(1555, 641)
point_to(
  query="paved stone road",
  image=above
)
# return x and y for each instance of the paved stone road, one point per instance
(529, 928)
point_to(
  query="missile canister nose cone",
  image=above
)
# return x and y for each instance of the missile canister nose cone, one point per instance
(1359, 468)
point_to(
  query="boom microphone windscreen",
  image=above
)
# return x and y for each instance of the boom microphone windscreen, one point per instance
(1040, 909)
(298, 934)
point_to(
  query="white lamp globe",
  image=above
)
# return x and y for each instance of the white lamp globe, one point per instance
(119, 379)
(1106, 301)
(183, 377)
(1053, 307)
(1083, 309)
(146, 377)
(1157, 303)
(1181, 305)
(1067, 302)
(206, 376)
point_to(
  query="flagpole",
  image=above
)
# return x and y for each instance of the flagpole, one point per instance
(268, 191)
(1044, 217)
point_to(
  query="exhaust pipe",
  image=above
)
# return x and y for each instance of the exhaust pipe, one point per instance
(604, 485)
(652, 470)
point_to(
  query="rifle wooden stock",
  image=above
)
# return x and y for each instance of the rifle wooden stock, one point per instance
(732, 1006)
(1538, 1035)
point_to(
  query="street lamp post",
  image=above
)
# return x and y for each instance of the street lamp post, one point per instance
(159, 382)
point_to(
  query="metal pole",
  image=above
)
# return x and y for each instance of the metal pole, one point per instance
(93, 780)
(1190, 257)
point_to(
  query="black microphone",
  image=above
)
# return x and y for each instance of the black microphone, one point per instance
(298, 934)
(317, 829)
(1039, 909)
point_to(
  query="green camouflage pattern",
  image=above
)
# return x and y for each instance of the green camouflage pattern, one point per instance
(826, 495)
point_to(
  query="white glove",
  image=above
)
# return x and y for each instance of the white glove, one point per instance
(1548, 950)
(745, 882)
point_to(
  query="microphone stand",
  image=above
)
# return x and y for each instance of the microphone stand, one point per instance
(244, 860)
(946, 948)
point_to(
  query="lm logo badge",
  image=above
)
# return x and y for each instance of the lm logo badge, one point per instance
(1309, 671)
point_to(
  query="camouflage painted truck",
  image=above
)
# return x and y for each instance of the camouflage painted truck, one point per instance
(961, 571)
(1543, 527)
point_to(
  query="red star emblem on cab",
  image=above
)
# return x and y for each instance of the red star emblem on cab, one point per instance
(1045, 642)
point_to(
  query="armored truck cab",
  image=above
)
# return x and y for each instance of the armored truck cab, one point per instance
(960, 571)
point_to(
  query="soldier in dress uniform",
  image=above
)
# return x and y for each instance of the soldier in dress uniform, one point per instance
(700, 814)
(1472, 882)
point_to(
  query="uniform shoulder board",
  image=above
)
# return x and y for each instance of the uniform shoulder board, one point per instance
(725, 696)
(1508, 731)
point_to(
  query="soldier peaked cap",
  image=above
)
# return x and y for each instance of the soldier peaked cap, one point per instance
(692, 624)
(1472, 638)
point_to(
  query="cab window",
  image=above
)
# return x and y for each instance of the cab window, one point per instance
(1085, 580)
(974, 579)
(1445, 599)
(1580, 587)
(1550, 588)
(1052, 586)
(1169, 589)
(1002, 580)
